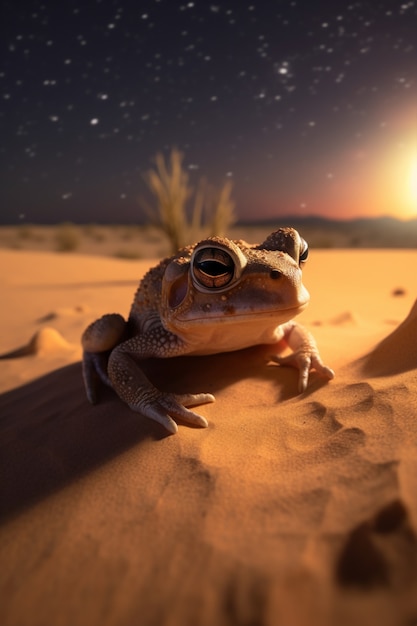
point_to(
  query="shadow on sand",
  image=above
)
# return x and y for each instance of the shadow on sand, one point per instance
(50, 434)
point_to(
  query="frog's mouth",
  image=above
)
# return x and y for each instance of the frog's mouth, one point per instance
(228, 330)
(227, 314)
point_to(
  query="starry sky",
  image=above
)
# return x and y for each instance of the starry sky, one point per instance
(308, 107)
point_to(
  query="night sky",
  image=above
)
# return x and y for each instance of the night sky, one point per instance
(309, 107)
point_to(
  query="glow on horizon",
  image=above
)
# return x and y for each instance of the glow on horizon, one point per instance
(397, 189)
(394, 176)
(373, 175)
(413, 180)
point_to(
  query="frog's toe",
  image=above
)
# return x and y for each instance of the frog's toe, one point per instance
(193, 399)
(322, 369)
(175, 406)
(165, 408)
(305, 361)
(302, 362)
(158, 414)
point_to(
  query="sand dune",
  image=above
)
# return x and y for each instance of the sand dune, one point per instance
(292, 510)
(402, 342)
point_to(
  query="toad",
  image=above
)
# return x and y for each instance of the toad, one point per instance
(218, 295)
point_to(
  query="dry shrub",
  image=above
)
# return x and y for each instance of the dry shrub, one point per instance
(67, 237)
(182, 213)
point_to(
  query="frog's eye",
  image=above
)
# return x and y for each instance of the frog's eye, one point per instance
(213, 268)
(303, 251)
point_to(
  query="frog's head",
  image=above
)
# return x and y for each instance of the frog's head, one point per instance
(231, 282)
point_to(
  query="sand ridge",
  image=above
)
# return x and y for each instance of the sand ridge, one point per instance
(298, 510)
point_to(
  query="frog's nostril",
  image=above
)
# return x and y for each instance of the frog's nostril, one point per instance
(275, 274)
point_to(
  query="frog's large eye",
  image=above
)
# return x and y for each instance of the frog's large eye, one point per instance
(213, 268)
(303, 251)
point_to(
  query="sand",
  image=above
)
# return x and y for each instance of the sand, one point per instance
(288, 510)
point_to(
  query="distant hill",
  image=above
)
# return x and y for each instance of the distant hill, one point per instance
(366, 232)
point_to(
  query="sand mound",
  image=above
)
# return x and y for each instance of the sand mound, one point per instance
(45, 341)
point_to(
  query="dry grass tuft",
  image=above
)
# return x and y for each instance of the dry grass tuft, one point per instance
(67, 237)
(185, 214)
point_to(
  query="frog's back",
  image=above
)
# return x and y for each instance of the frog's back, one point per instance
(147, 300)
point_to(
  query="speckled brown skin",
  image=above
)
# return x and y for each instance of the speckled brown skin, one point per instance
(216, 296)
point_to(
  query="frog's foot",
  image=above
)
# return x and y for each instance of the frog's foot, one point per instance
(305, 361)
(165, 408)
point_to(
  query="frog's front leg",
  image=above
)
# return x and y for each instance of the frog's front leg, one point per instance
(132, 386)
(305, 354)
(97, 341)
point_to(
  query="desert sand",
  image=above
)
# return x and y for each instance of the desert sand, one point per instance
(292, 510)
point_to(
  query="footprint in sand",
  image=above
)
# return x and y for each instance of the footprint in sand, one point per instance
(357, 415)
(353, 417)
(312, 424)
(316, 426)
(359, 396)
(381, 551)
